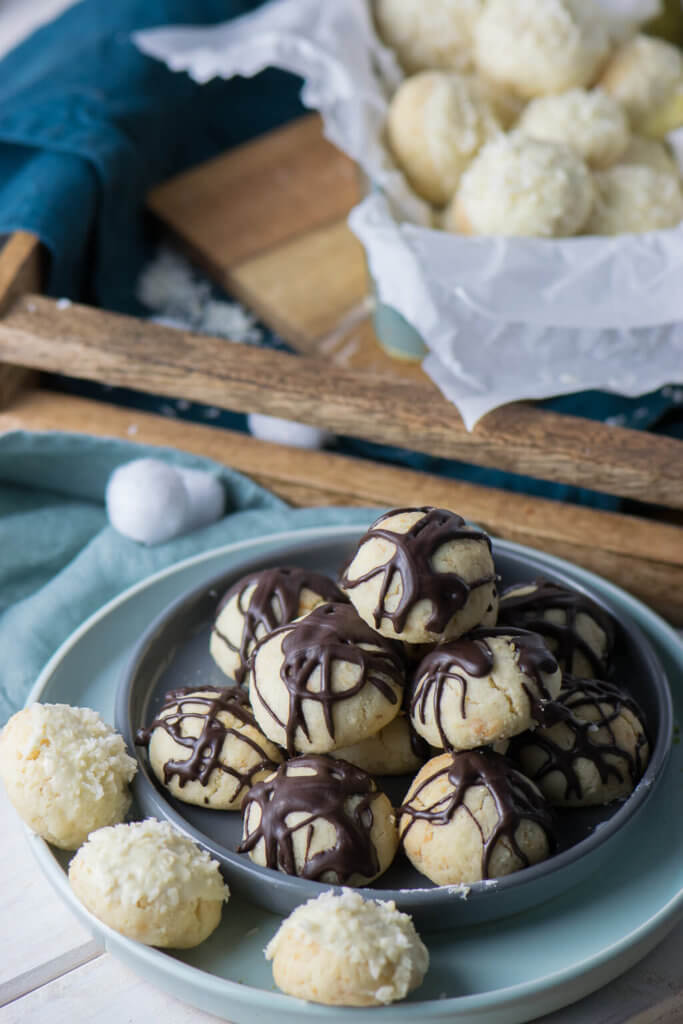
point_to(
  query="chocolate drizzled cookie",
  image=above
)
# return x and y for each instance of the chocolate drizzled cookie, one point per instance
(532, 606)
(286, 819)
(274, 598)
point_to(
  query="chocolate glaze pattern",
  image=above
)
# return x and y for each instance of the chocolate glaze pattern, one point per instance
(472, 656)
(282, 586)
(528, 610)
(516, 800)
(411, 559)
(608, 701)
(329, 634)
(204, 750)
(324, 793)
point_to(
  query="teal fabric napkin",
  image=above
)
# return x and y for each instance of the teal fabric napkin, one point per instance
(60, 560)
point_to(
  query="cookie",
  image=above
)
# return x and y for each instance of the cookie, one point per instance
(591, 122)
(256, 605)
(524, 187)
(150, 883)
(643, 74)
(325, 681)
(343, 950)
(66, 772)
(536, 47)
(204, 746)
(634, 198)
(482, 688)
(437, 122)
(395, 750)
(650, 153)
(422, 575)
(590, 747)
(429, 36)
(577, 631)
(471, 815)
(320, 819)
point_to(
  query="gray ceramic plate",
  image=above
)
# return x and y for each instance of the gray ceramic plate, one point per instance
(173, 652)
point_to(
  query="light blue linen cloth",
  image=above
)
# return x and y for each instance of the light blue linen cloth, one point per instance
(60, 560)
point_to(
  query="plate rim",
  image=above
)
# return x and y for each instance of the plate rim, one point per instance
(655, 924)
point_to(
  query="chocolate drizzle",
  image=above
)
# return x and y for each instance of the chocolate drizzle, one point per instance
(516, 800)
(204, 750)
(412, 560)
(528, 610)
(607, 702)
(472, 656)
(281, 587)
(330, 634)
(324, 794)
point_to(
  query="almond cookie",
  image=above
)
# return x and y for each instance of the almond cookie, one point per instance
(150, 883)
(577, 631)
(65, 771)
(470, 816)
(205, 747)
(590, 747)
(320, 819)
(256, 605)
(422, 575)
(482, 688)
(343, 950)
(325, 681)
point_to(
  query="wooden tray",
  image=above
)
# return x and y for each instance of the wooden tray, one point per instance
(267, 220)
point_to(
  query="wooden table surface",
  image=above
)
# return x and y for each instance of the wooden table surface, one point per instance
(53, 972)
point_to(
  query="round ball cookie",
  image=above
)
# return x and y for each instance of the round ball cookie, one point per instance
(577, 631)
(256, 605)
(150, 883)
(422, 575)
(642, 74)
(65, 771)
(204, 746)
(522, 186)
(505, 105)
(395, 750)
(471, 815)
(343, 950)
(590, 747)
(650, 153)
(325, 681)
(482, 688)
(591, 122)
(634, 198)
(427, 36)
(535, 47)
(320, 819)
(436, 123)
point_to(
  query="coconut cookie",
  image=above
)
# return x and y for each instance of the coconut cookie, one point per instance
(591, 122)
(471, 815)
(150, 883)
(590, 747)
(422, 575)
(535, 47)
(205, 747)
(437, 121)
(256, 605)
(634, 198)
(395, 750)
(427, 36)
(521, 186)
(577, 631)
(325, 681)
(642, 75)
(342, 950)
(650, 153)
(65, 771)
(320, 819)
(482, 688)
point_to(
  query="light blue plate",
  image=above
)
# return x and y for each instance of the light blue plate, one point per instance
(502, 973)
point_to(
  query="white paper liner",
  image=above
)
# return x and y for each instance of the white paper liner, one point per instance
(504, 318)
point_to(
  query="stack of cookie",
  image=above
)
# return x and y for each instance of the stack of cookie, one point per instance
(412, 665)
(531, 117)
